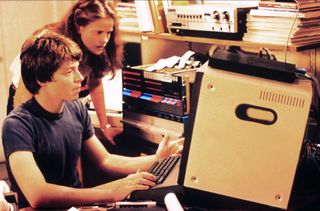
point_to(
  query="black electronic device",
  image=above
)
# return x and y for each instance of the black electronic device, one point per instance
(251, 64)
(162, 168)
(166, 90)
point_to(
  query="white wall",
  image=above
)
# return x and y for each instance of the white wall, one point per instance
(18, 19)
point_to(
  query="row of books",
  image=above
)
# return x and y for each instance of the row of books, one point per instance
(284, 23)
(142, 16)
(127, 13)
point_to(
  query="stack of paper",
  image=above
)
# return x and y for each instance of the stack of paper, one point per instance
(127, 13)
(284, 23)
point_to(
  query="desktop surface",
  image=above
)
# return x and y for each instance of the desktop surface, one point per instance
(100, 209)
(302, 203)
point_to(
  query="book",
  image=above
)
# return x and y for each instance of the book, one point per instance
(284, 20)
(256, 37)
(285, 33)
(282, 30)
(158, 16)
(270, 13)
(281, 39)
(289, 5)
(127, 14)
(273, 4)
(144, 16)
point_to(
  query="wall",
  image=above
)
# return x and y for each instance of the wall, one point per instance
(18, 19)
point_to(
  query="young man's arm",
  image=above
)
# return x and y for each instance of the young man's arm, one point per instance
(128, 165)
(39, 193)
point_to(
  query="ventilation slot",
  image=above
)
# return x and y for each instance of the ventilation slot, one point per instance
(282, 99)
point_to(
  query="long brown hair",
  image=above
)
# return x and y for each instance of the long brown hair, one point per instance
(82, 13)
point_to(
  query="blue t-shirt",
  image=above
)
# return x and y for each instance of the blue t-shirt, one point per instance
(54, 139)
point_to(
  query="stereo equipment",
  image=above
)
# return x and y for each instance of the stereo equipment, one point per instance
(208, 20)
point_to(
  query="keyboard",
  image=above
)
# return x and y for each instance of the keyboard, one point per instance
(162, 168)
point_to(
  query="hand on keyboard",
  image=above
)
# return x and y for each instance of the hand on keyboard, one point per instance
(162, 168)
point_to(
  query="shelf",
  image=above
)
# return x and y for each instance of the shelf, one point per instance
(137, 36)
(131, 36)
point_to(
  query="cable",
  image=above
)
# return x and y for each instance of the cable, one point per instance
(316, 91)
(289, 36)
(313, 78)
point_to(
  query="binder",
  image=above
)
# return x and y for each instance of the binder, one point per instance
(144, 15)
(158, 16)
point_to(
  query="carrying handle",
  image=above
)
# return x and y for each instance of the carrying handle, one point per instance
(267, 53)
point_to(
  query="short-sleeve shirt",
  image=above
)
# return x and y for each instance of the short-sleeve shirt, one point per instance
(54, 139)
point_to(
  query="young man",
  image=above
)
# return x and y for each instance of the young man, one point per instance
(45, 136)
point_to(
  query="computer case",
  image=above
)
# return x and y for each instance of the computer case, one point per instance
(247, 136)
(244, 138)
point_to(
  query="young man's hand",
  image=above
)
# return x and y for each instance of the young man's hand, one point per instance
(136, 181)
(167, 148)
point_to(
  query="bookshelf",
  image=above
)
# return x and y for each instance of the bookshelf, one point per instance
(129, 36)
(152, 24)
(167, 44)
(156, 44)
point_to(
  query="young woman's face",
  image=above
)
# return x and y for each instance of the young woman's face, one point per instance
(96, 34)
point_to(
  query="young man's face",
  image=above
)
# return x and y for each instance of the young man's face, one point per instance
(66, 82)
(96, 35)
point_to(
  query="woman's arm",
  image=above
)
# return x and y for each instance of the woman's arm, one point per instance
(97, 96)
(4, 205)
(22, 94)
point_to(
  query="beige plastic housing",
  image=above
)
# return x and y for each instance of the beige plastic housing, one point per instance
(244, 159)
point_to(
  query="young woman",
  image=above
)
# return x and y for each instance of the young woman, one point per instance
(93, 25)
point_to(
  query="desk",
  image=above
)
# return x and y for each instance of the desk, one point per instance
(306, 201)
(100, 209)
(299, 202)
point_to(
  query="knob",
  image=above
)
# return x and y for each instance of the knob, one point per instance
(216, 15)
(225, 16)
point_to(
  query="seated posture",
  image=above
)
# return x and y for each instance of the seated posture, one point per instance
(94, 26)
(44, 137)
